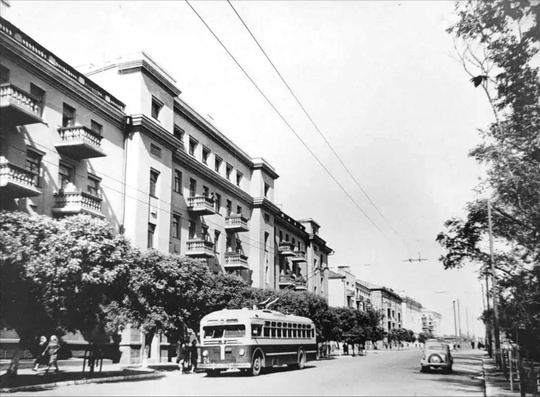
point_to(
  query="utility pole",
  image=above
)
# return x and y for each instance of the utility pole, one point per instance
(494, 288)
(467, 320)
(455, 324)
(459, 318)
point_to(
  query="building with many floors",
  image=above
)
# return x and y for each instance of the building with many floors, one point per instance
(411, 311)
(119, 143)
(389, 304)
(431, 322)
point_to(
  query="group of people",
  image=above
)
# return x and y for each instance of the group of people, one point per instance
(187, 357)
(48, 353)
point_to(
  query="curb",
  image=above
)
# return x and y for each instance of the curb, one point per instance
(47, 386)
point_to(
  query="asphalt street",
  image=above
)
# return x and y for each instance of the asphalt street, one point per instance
(384, 373)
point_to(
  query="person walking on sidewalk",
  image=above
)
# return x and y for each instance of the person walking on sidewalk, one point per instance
(42, 353)
(52, 349)
(193, 356)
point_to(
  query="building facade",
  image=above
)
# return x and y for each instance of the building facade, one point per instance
(389, 304)
(412, 315)
(117, 142)
(431, 322)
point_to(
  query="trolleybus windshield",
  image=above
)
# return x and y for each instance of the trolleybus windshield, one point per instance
(224, 331)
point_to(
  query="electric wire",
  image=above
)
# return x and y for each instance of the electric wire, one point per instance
(286, 122)
(313, 122)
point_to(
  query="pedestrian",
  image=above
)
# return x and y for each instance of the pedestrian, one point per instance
(180, 356)
(346, 349)
(193, 356)
(42, 353)
(52, 349)
(472, 344)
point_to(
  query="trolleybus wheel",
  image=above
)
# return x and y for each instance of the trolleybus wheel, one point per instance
(301, 359)
(257, 364)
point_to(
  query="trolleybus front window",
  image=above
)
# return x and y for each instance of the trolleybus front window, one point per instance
(224, 331)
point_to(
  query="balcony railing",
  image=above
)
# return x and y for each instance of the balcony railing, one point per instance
(16, 181)
(286, 248)
(200, 248)
(300, 284)
(201, 205)
(236, 223)
(79, 143)
(299, 256)
(17, 107)
(286, 280)
(76, 202)
(234, 260)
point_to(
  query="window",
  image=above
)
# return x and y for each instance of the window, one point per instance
(286, 237)
(217, 163)
(178, 133)
(4, 75)
(175, 226)
(205, 155)
(217, 203)
(157, 105)
(228, 244)
(238, 178)
(206, 191)
(39, 94)
(280, 236)
(204, 232)
(228, 171)
(266, 237)
(217, 233)
(155, 150)
(151, 230)
(68, 116)
(239, 210)
(33, 164)
(191, 229)
(177, 184)
(192, 187)
(266, 189)
(153, 182)
(93, 185)
(229, 207)
(192, 146)
(96, 127)
(65, 175)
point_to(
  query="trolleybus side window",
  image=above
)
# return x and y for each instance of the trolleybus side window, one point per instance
(224, 331)
(256, 330)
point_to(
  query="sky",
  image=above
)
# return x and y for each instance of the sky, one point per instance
(380, 80)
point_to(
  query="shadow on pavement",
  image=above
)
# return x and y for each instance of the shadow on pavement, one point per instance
(42, 378)
(266, 371)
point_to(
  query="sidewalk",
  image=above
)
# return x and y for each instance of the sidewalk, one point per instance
(70, 374)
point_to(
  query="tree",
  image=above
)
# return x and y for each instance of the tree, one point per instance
(57, 275)
(498, 43)
(424, 336)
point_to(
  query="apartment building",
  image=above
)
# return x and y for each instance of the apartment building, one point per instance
(431, 322)
(389, 304)
(345, 290)
(117, 142)
(412, 314)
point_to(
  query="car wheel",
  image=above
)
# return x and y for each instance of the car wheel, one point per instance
(257, 364)
(435, 359)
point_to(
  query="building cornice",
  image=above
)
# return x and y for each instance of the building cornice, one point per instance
(67, 86)
(145, 125)
(145, 67)
(315, 238)
(264, 203)
(262, 164)
(204, 126)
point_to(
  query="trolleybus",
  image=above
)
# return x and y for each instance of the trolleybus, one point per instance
(250, 340)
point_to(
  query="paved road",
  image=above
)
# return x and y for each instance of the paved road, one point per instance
(388, 373)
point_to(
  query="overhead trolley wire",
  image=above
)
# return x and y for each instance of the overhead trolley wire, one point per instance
(285, 121)
(313, 122)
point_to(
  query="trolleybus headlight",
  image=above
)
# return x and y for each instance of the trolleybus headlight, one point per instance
(205, 353)
(241, 352)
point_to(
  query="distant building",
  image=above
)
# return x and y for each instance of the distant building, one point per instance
(431, 322)
(412, 315)
(389, 304)
(346, 291)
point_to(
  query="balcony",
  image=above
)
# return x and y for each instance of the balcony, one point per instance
(285, 248)
(299, 256)
(200, 249)
(201, 205)
(16, 182)
(286, 280)
(301, 284)
(79, 143)
(234, 260)
(76, 202)
(236, 223)
(18, 107)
